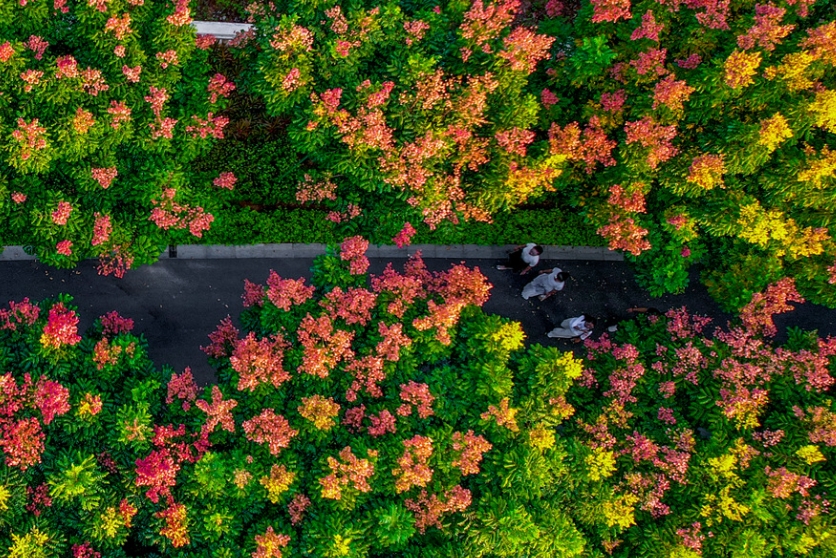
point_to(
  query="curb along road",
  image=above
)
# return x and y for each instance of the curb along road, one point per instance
(428, 251)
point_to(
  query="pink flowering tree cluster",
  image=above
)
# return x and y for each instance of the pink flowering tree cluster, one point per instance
(392, 416)
(354, 397)
(343, 423)
(701, 131)
(707, 441)
(104, 105)
(75, 413)
(406, 113)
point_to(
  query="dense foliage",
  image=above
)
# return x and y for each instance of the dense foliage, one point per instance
(245, 225)
(404, 112)
(702, 130)
(103, 104)
(683, 131)
(343, 420)
(389, 416)
(262, 207)
(694, 131)
(707, 445)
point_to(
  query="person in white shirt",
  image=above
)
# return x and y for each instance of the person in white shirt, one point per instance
(576, 329)
(546, 284)
(523, 258)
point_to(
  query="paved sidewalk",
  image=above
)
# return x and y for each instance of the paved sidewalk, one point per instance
(176, 302)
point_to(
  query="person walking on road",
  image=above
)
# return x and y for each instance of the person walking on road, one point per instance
(577, 329)
(546, 284)
(523, 258)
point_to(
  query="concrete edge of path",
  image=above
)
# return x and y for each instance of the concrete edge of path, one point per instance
(469, 251)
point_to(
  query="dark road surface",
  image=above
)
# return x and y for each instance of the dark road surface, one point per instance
(175, 304)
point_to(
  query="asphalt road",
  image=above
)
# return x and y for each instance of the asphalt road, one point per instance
(175, 304)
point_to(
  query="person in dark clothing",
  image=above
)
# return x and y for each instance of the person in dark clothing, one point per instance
(522, 259)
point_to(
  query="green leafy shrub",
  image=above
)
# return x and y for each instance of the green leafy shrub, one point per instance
(242, 225)
(246, 226)
(267, 170)
(559, 227)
